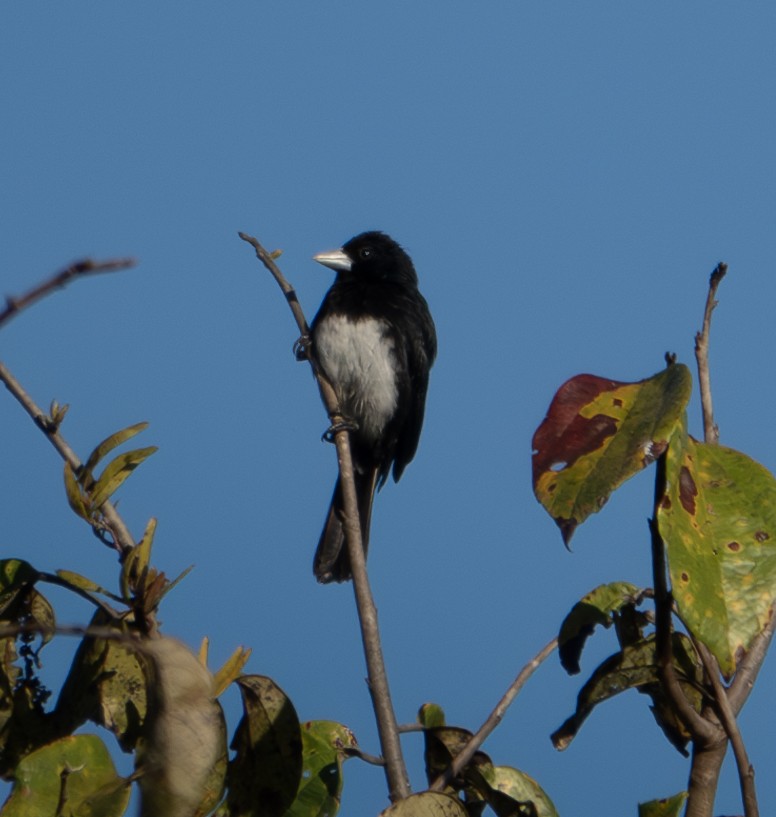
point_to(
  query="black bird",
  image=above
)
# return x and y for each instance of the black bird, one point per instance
(374, 339)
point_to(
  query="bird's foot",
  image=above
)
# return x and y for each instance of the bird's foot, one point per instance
(342, 424)
(302, 346)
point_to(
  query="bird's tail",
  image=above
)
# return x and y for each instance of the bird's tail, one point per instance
(332, 561)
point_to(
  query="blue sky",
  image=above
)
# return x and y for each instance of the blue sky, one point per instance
(565, 177)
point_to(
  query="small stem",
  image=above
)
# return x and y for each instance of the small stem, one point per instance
(710, 428)
(467, 753)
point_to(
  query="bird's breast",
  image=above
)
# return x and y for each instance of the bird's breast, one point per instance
(358, 357)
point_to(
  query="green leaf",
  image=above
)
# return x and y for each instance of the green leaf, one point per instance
(82, 766)
(15, 576)
(442, 744)
(105, 447)
(107, 685)
(135, 568)
(9, 676)
(267, 767)
(718, 521)
(510, 792)
(596, 608)
(75, 497)
(426, 804)
(116, 472)
(41, 613)
(431, 714)
(324, 744)
(635, 667)
(597, 434)
(76, 580)
(665, 807)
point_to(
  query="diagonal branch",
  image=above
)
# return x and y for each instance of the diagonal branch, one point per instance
(395, 769)
(13, 306)
(461, 760)
(728, 720)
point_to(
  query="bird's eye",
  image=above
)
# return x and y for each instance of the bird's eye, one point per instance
(364, 253)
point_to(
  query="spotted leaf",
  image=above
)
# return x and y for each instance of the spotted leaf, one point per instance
(597, 434)
(718, 520)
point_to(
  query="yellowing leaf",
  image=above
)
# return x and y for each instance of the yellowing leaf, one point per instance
(75, 497)
(231, 669)
(106, 446)
(665, 807)
(116, 472)
(599, 433)
(718, 521)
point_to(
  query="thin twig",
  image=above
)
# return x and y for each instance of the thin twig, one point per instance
(730, 725)
(395, 768)
(461, 760)
(710, 429)
(354, 751)
(13, 306)
(123, 538)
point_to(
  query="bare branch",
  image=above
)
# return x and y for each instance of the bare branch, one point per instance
(461, 760)
(13, 306)
(354, 751)
(710, 429)
(395, 768)
(728, 720)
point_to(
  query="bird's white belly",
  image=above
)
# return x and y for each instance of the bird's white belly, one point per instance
(358, 358)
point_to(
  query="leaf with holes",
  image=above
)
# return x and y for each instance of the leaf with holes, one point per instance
(597, 434)
(268, 763)
(718, 520)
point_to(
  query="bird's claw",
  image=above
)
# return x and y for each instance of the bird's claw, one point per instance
(301, 347)
(341, 425)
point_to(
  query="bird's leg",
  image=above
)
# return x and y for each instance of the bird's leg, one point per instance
(339, 423)
(301, 346)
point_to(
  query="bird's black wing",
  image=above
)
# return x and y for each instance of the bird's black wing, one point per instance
(420, 347)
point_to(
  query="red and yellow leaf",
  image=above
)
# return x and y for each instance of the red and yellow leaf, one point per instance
(597, 434)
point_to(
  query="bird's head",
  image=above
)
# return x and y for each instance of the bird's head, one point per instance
(370, 256)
